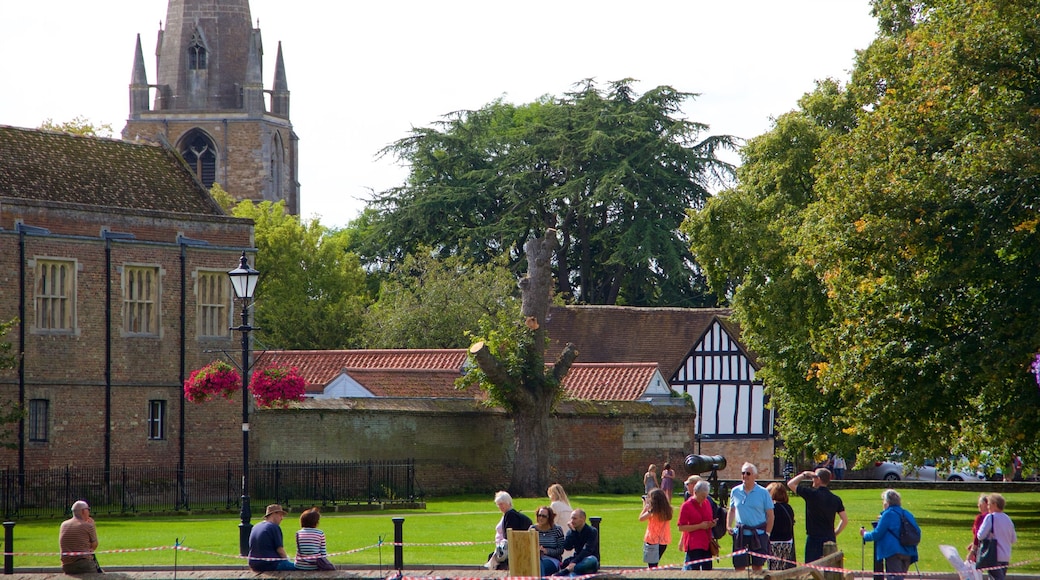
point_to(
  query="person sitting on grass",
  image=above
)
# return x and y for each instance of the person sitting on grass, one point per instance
(266, 550)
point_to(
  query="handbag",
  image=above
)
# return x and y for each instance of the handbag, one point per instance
(651, 553)
(987, 557)
(713, 547)
(324, 564)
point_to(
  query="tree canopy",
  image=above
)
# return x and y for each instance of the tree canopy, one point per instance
(610, 170)
(886, 243)
(312, 292)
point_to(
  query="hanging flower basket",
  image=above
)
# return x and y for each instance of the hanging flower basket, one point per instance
(1035, 367)
(218, 378)
(277, 387)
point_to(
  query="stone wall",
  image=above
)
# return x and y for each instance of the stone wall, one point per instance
(461, 446)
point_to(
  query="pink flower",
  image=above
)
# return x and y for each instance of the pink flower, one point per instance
(216, 378)
(277, 387)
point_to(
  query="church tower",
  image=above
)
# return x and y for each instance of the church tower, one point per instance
(210, 103)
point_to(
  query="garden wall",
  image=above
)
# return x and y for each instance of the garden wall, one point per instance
(459, 445)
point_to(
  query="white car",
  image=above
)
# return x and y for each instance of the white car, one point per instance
(895, 471)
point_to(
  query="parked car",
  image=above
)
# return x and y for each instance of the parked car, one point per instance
(895, 471)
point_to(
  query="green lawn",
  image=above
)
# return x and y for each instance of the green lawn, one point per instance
(945, 517)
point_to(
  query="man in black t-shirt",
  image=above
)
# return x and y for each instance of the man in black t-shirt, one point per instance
(821, 507)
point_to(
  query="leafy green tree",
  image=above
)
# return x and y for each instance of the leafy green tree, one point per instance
(429, 302)
(903, 249)
(611, 171)
(311, 293)
(222, 197)
(79, 126)
(510, 367)
(11, 413)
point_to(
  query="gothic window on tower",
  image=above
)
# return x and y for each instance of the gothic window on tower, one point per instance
(198, 150)
(197, 53)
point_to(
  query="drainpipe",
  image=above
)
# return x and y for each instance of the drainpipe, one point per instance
(23, 230)
(182, 488)
(108, 236)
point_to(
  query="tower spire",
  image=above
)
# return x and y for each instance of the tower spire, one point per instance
(138, 84)
(280, 94)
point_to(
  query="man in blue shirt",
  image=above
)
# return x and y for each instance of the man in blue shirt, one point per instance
(750, 520)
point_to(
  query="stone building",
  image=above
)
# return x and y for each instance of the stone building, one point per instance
(114, 259)
(210, 104)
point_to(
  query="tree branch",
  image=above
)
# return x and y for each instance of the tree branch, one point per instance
(563, 363)
(496, 373)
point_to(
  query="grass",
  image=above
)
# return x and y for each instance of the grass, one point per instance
(945, 518)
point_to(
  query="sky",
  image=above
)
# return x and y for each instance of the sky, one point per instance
(363, 74)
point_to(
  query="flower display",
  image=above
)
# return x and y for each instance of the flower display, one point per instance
(277, 387)
(1036, 368)
(216, 378)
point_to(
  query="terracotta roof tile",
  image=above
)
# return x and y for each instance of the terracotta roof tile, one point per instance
(630, 334)
(608, 381)
(59, 167)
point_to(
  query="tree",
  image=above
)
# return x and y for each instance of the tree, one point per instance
(79, 126)
(426, 302)
(909, 272)
(511, 369)
(611, 171)
(746, 241)
(11, 412)
(312, 292)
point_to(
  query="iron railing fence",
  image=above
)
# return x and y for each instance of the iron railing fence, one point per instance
(49, 493)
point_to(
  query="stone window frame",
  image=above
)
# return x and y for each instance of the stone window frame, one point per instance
(142, 299)
(156, 419)
(54, 307)
(198, 52)
(213, 304)
(38, 424)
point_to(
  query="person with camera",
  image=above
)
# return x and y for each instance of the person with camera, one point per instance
(821, 509)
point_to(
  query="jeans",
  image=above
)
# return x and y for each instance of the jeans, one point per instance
(692, 555)
(588, 565)
(550, 566)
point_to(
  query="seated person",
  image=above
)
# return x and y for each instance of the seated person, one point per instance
(511, 520)
(584, 540)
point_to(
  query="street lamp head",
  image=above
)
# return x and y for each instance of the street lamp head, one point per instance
(243, 279)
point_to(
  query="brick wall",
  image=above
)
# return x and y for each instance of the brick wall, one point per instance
(69, 369)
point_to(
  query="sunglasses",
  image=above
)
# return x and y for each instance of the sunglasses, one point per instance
(746, 473)
(542, 515)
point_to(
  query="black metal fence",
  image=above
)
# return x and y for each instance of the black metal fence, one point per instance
(49, 493)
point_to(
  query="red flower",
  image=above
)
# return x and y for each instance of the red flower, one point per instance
(216, 378)
(277, 387)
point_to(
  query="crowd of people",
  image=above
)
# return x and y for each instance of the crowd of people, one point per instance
(759, 519)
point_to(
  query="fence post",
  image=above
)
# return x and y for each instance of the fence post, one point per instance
(398, 543)
(595, 520)
(9, 548)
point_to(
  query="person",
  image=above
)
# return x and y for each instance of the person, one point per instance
(897, 557)
(821, 508)
(650, 479)
(668, 480)
(310, 543)
(550, 539)
(750, 520)
(781, 539)
(584, 540)
(77, 540)
(560, 504)
(1003, 529)
(839, 467)
(511, 520)
(266, 551)
(1016, 467)
(696, 520)
(657, 513)
(973, 547)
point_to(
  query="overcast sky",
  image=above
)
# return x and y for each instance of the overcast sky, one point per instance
(362, 74)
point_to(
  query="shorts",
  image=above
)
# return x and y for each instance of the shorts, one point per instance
(741, 561)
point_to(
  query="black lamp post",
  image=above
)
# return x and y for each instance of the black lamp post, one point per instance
(243, 280)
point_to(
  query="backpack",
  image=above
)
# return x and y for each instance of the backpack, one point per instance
(719, 514)
(909, 534)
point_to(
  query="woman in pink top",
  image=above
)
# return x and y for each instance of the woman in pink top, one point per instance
(695, 523)
(657, 513)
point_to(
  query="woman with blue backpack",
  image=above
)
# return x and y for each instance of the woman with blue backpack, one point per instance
(895, 537)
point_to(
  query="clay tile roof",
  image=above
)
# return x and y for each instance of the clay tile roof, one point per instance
(320, 367)
(608, 381)
(58, 167)
(630, 334)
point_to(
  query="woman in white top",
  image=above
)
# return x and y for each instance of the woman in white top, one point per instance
(1003, 530)
(560, 504)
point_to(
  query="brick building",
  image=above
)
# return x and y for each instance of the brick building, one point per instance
(115, 259)
(210, 103)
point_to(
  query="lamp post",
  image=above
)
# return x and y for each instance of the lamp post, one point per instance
(243, 280)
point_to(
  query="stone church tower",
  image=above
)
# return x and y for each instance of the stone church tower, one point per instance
(210, 103)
